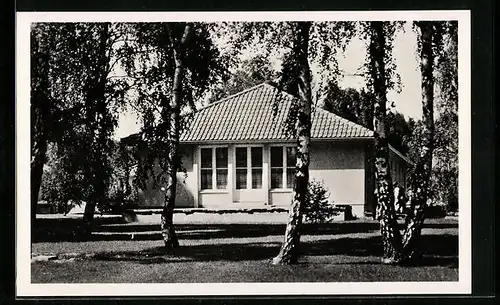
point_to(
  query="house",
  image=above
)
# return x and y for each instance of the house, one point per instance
(237, 154)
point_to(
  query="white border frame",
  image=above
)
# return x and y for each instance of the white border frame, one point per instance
(25, 288)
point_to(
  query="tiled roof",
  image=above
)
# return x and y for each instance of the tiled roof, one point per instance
(248, 116)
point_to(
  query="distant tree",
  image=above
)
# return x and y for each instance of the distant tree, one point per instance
(173, 64)
(62, 187)
(351, 104)
(357, 106)
(252, 72)
(399, 131)
(446, 126)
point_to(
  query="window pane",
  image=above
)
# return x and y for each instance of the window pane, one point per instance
(241, 178)
(276, 157)
(257, 178)
(221, 157)
(290, 156)
(256, 156)
(221, 177)
(276, 178)
(241, 157)
(206, 158)
(206, 179)
(290, 177)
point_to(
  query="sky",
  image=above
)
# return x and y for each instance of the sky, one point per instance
(407, 101)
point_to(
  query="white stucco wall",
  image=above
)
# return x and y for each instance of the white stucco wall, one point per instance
(186, 191)
(341, 167)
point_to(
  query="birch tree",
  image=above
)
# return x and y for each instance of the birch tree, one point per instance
(298, 61)
(173, 64)
(302, 43)
(379, 34)
(402, 247)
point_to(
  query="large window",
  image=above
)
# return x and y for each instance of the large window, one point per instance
(248, 167)
(282, 167)
(213, 168)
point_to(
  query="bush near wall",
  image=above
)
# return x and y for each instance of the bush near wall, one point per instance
(318, 208)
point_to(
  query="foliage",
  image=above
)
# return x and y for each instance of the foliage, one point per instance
(444, 189)
(446, 125)
(318, 208)
(357, 106)
(252, 72)
(399, 131)
(63, 188)
(84, 103)
(121, 193)
(391, 79)
(59, 188)
(351, 104)
(152, 65)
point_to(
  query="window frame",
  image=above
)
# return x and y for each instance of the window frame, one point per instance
(249, 167)
(284, 167)
(236, 168)
(214, 169)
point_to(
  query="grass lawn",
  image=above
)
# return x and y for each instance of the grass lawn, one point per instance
(241, 252)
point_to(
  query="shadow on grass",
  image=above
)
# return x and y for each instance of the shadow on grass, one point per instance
(54, 230)
(436, 250)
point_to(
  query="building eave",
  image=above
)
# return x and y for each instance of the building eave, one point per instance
(399, 154)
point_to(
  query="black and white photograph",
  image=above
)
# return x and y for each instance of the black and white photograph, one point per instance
(243, 153)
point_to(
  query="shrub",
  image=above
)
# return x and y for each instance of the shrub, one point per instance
(318, 209)
(436, 211)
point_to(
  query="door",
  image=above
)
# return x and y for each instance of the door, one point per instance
(248, 182)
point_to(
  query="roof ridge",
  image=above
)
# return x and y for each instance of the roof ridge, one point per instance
(229, 97)
(280, 90)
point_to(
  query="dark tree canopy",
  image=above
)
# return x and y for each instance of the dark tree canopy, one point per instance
(78, 110)
(251, 72)
(357, 106)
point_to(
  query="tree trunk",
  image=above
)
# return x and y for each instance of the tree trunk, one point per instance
(422, 173)
(88, 219)
(99, 132)
(40, 119)
(173, 117)
(391, 237)
(40, 151)
(289, 250)
(89, 212)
